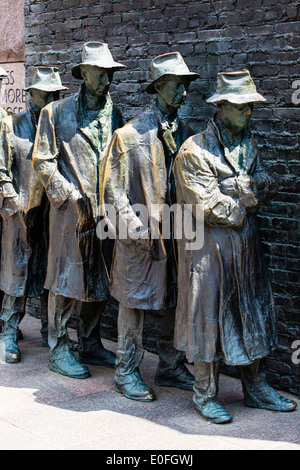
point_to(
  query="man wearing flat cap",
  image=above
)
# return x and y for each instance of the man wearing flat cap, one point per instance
(143, 276)
(71, 138)
(225, 308)
(24, 211)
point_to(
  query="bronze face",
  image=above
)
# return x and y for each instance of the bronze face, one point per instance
(235, 117)
(40, 98)
(172, 92)
(97, 80)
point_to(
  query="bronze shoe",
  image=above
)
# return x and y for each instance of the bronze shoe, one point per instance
(263, 396)
(67, 364)
(135, 389)
(213, 412)
(10, 351)
(179, 378)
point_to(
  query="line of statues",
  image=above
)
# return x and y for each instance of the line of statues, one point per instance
(63, 160)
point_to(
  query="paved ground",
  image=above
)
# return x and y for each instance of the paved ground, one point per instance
(40, 410)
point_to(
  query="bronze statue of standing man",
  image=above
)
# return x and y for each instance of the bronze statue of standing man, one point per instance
(225, 307)
(24, 211)
(71, 138)
(138, 170)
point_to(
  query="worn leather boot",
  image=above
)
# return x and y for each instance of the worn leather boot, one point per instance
(213, 412)
(179, 377)
(98, 356)
(171, 370)
(206, 390)
(63, 361)
(90, 347)
(258, 393)
(9, 350)
(133, 387)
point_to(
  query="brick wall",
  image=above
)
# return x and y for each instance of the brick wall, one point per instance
(213, 36)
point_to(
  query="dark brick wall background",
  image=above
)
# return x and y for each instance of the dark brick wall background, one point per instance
(212, 36)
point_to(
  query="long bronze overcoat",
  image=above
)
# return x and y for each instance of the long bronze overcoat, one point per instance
(225, 305)
(142, 274)
(67, 155)
(24, 234)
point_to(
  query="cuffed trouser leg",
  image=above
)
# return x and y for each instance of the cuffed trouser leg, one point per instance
(62, 359)
(130, 351)
(130, 354)
(91, 349)
(206, 392)
(171, 370)
(206, 381)
(60, 310)
(44, 318)
(169, 357)
(12, 312)
(258, 393)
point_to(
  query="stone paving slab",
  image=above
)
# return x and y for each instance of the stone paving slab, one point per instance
(41, 410)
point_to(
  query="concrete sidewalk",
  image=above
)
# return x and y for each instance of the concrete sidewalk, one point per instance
(40, 410)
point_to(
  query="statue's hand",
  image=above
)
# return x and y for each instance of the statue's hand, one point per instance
(229, 187)
(247, 191)
(10, 207)
(75, 195)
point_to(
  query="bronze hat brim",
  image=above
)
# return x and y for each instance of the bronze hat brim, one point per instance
(47, 88)
(235, 98)
(150, 88)
(75, 70)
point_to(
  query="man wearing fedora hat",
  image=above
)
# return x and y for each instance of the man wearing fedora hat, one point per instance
(226, 310)
(3, 113)
(24, 211)
(71, 138)
(143, 277)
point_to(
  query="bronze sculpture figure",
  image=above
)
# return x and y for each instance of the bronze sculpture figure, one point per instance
(71, 138)
(143, 277)
(3, 74)
(3, 113)
(225, 307)
(24, 211)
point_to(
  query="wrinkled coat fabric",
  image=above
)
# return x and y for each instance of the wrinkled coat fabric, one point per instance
(67, 155)
(24, 234)
(143, 272)
(225, 305)
(3, 113)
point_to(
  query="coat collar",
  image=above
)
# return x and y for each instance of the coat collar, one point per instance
(87, 123)
(249, 148)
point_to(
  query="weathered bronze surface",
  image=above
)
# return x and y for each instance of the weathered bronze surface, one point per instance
(3, 74)
(225, 307)
(138, 171)
(24, 213)
(72, 136)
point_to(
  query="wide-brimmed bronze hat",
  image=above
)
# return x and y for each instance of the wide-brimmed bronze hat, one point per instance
(235, 87)
(3, 73)
(46, 79)
(97, 54)
(171, 63)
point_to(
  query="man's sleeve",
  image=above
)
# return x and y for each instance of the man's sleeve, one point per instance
(266, 186)
(6, 185)
(198, 184)
(115, 188)
(44, 159)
